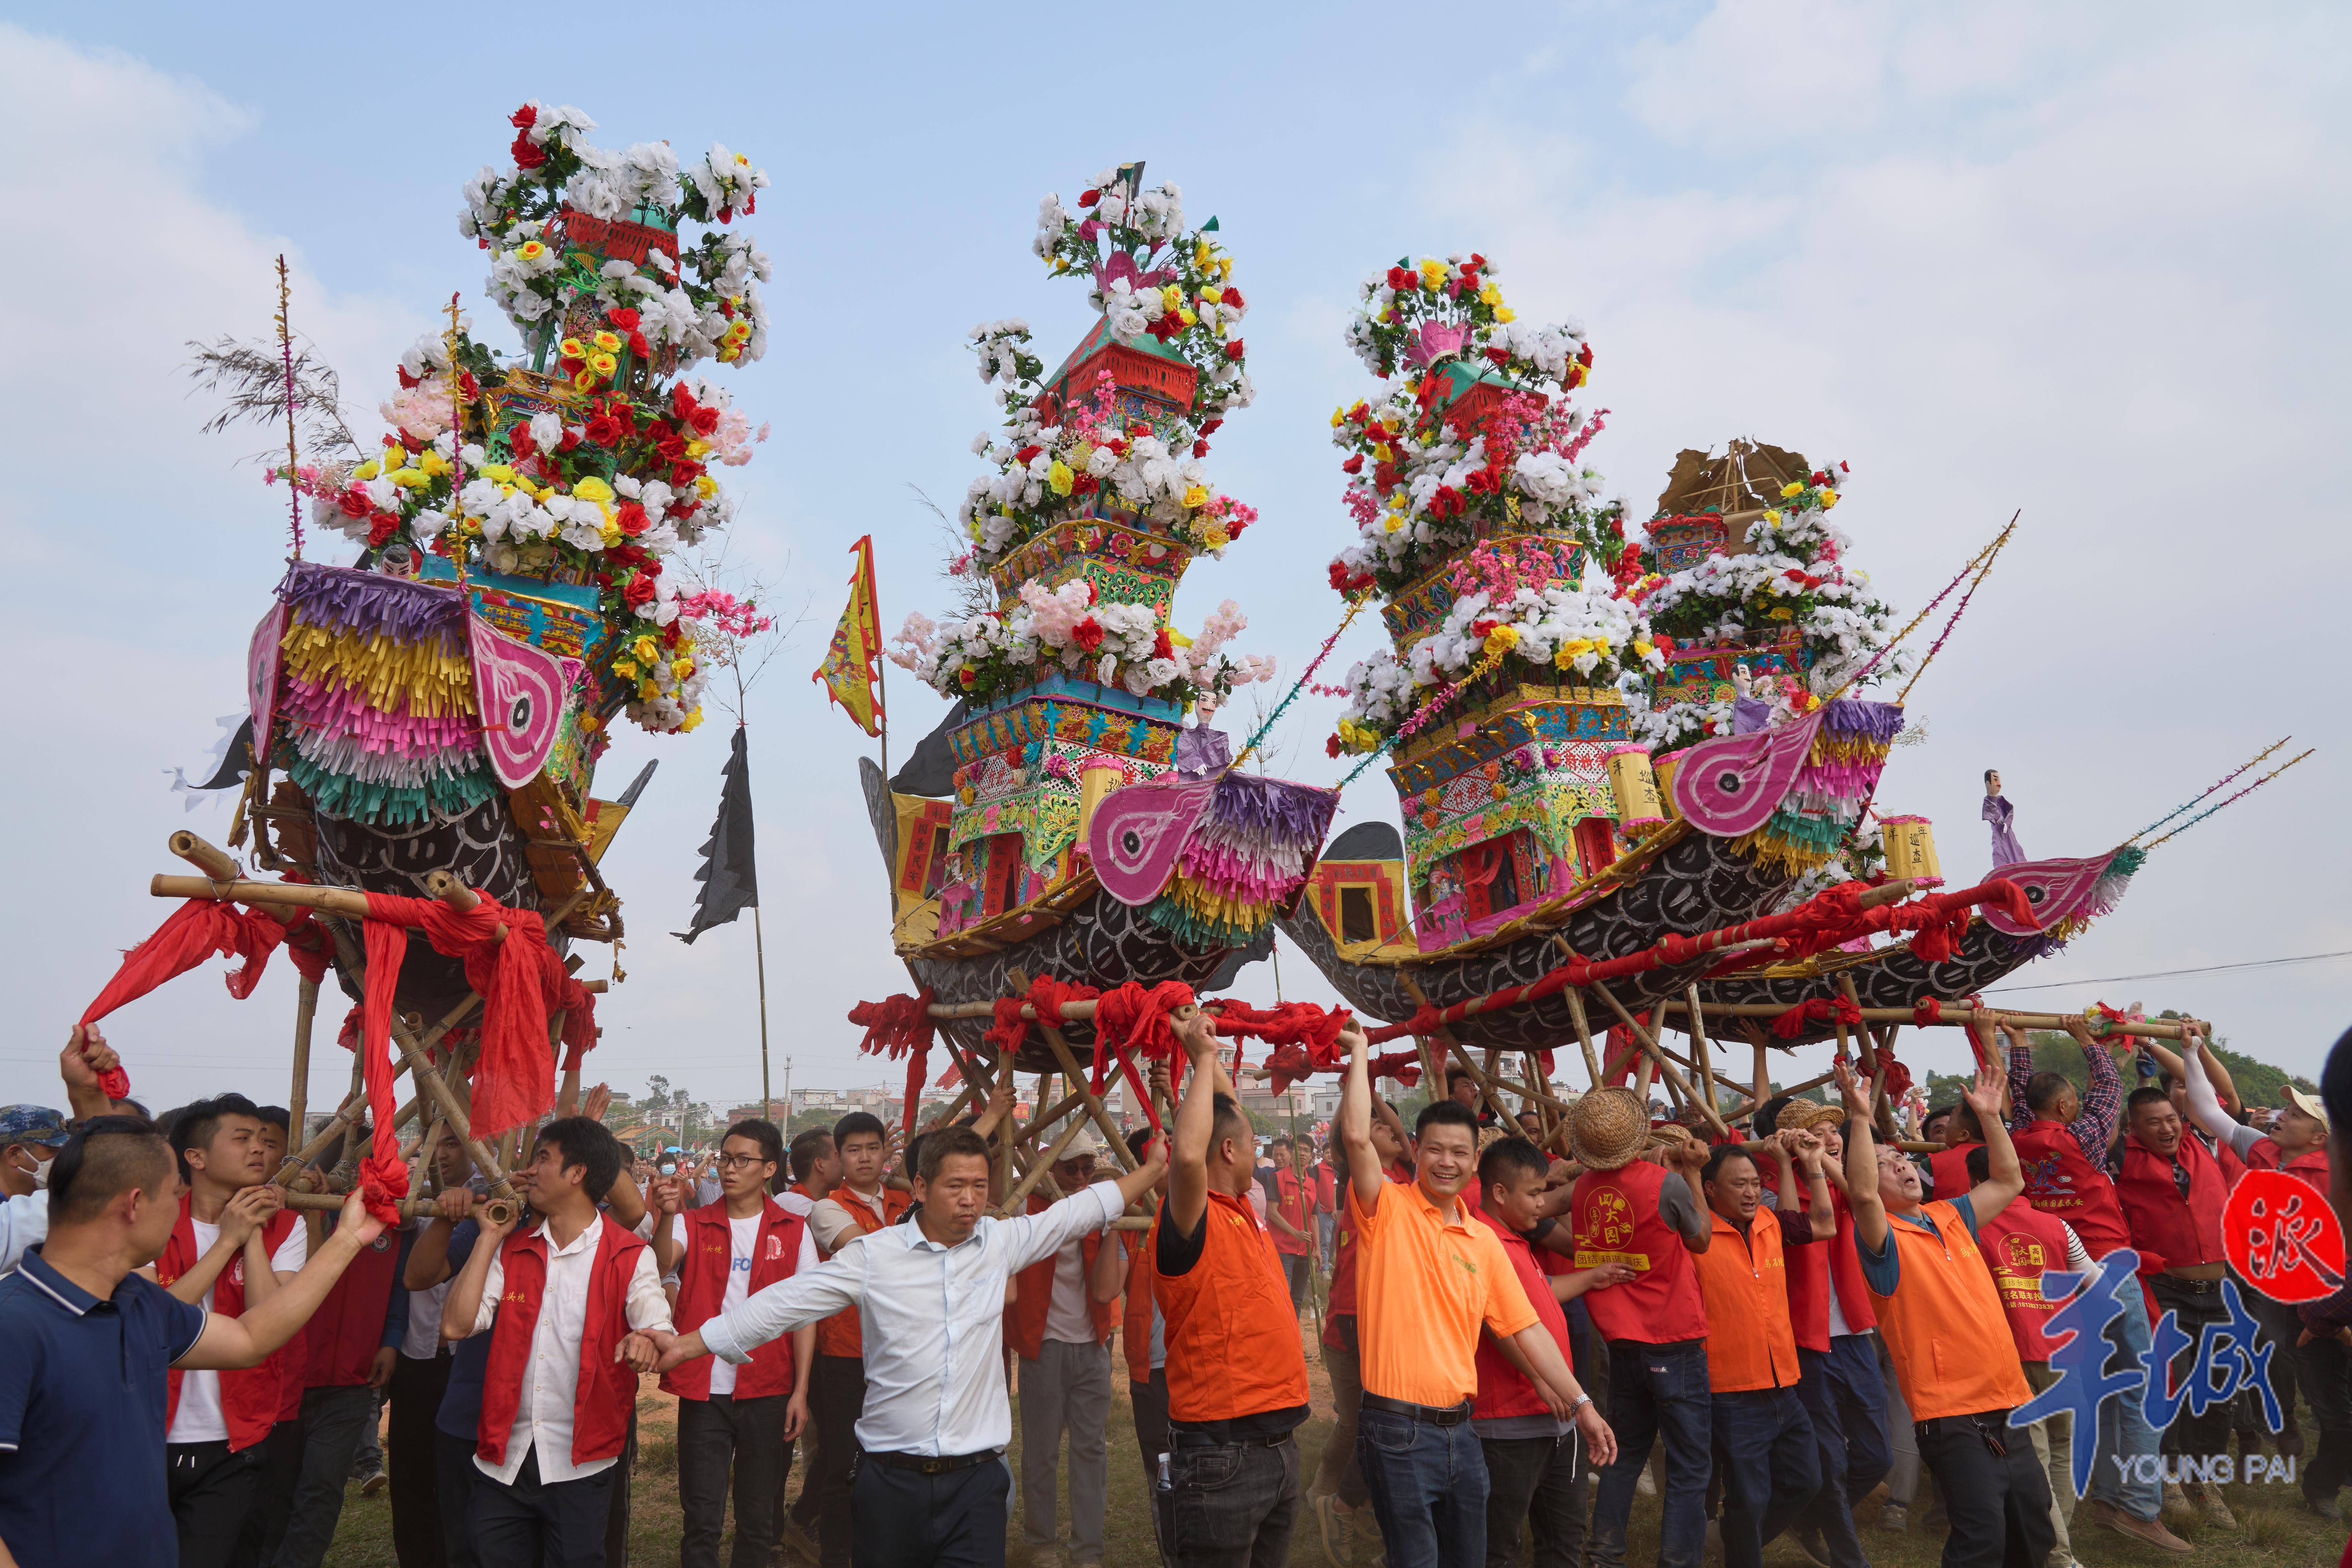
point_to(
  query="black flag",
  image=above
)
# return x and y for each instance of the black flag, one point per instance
(731, 880)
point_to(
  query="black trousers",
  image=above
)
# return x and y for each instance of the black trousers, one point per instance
(2193, 1308)
(454, 1477)
(1150, 1403)
(1998, 1504)
(416, 1389)
(617, 1509)
(2324, 1369)
(836, 1398)
(273, 1496)
(533, 1523)
(212, 1492)
(722, 1437)
(1536, 1481)
(906, 1519)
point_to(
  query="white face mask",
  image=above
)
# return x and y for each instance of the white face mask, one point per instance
(39, 1173)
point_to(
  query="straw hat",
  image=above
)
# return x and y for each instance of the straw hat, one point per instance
(1804, 1115)
(1607, 1127)
(2290, 1095)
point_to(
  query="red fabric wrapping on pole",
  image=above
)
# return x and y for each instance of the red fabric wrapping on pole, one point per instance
(189, 935)
(1926, 1011)
(1403, 1066)
(382, 1177)
(519, 981)
(900, 1025)
(1137, 1017)
(1010, 1028)
(1815, 1010)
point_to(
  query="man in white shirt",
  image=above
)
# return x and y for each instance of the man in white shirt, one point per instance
(930, 1302)
(558, 1301)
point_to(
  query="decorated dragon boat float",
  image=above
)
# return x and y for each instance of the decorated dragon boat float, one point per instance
(419, 761)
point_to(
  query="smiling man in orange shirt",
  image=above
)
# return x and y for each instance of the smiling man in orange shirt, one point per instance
(1428, 1278)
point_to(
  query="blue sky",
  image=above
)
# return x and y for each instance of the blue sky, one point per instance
(2086, 264)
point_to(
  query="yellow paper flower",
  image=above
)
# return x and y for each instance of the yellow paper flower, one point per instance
(585, 381)
(1772, 516)
(407, 479)
(498, 471)
(647, 649)
(1211, 295)
(1433, 275)
(625, 668)
(1177, 640)
(1172, 297)
(1339, 417)
(1792, 488)
(691, 720)
(1225, 267)
(1829, 499)
(1784, 613)
(609, 341)
(531, 249)
(1393, 521)
(697, 447)
(1489, 295)
(593, 488)
(705, 486)
(1058, 477)
(602, 364)
(1502, 640)
(1215, 539)
(681, 668)
(434, 463)
(1505, 313)
(367, 470)
(1184, 315)
(1196, 496)
(1645, 647)
(648, 691)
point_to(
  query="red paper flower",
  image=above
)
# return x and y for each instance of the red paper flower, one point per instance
(408, 382)
(526, 156)
(605, 429)
(1199, 449)
(523, 119)
(1088, 198)
(1331, 745)
(1028, 455)
(639, 591)
(382, 528)
(624, 320)
(1234, 297)
(1161, 648)
(1233, 348)
(1088, 633)
(1354, 465)
(631, 517)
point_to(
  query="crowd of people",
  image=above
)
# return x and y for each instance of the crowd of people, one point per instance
(1763, 1327)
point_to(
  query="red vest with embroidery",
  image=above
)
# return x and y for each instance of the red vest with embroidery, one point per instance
(1024, 1320)
(843, 1334)
(340, 1341)
(2019, 1244)
(2168, 1230)
(1503, 1391)
(702, 1291)
(2311, 1164)
(1616, 1220)
(250, 1396)
(608, 1390)
(1814, 1271)
(2060, 1182)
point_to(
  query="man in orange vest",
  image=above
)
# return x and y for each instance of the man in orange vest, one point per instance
(2021, 1244)
(1627, 1208)
(859, 1206)
(1429, 1278)
(1227, 1488)
(1062, 1336)
(1946, 1334)
(735, 1423)
(1763, 1439)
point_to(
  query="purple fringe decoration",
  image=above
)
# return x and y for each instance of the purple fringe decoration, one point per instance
(343, 598)
(1850, 720)
(1293, 813)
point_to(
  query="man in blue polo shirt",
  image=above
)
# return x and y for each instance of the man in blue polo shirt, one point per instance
(85, 1344)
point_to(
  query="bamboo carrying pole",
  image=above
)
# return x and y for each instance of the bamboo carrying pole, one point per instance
(496, 1210)
(1960, 1016)
(1658, 1055)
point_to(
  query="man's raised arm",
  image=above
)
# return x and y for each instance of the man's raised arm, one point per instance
(806, 1297)
(247, 1341)
(2004, 1178)
(1196, 1122)
(1862, 1161)
(1364, 1174)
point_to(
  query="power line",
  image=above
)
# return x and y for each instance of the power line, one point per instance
(2169, 973)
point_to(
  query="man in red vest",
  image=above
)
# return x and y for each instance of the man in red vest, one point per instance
(2172, 1189)
(558, 1299)
(1765, 1451)
(1062, 1334)
(1843, 1393)
(2020, 1244)
(817, 1171)
(737, 1421)
(859, 1204)
(1946, 1334)
(2063, 1141)
(348, 1349)
(1290, 1216)
(1535, 1461)
(232, 1249)
(1628, 1208)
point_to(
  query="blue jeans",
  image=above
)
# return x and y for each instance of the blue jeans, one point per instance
(1845, 1399)
(2122, 1427)
(1428, 1485)
(1765, 1453)
(1654, 1390)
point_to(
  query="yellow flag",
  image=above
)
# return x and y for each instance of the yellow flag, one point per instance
(849, 673)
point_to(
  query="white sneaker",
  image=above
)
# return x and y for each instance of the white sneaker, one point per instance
(1645, 1485)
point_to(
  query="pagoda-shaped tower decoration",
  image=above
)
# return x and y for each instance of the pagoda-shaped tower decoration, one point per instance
(1476, 523)
(1074, 681)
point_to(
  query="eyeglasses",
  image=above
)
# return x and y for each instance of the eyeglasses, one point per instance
(739, 1161)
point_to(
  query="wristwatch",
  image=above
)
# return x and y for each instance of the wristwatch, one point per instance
(1581, 1401)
